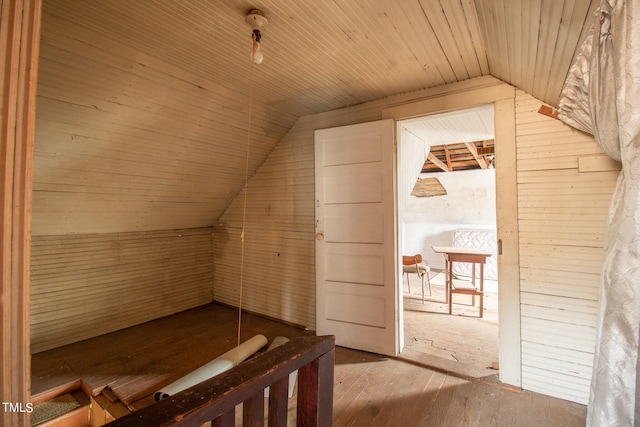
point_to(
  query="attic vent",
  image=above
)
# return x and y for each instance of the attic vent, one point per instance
(428, 187)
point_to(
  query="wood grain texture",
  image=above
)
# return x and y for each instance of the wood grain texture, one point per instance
(279, 274)
(143, 110)
(144, 358)
(562, 216)
(87, 285)
(19, 42)
(368, 389)
(559, 225)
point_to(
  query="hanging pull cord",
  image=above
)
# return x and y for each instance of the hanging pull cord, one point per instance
(244, 203)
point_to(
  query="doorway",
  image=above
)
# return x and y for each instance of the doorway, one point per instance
(456, 97)
(446, 197)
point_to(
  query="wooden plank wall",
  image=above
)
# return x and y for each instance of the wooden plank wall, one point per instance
(278, 275)
(127, 142)
(85, 285)
(279, 272)
(411, 157)
(562, 216)
(19, 42)
(411, 154)
(278, 278)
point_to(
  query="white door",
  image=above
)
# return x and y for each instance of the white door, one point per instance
(355, 239)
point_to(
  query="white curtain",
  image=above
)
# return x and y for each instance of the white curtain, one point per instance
(602, 96)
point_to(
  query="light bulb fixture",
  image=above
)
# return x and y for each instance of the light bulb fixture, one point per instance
(256, 52)
(256, 19)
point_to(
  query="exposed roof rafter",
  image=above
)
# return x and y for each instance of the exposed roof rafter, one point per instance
(436, 161)
(460, 156)
(482, 162)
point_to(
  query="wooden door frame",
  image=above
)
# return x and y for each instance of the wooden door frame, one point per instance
(502, 96)
(20, 39)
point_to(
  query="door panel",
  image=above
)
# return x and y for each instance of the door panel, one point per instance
(354, 224)
(347, 264)
(340, 307)
(355, 239)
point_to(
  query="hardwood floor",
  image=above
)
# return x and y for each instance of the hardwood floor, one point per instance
(374, 391)
(460, 343)
(135, 362)
(370, 390)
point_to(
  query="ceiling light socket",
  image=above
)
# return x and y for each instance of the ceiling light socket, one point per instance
(256, 19)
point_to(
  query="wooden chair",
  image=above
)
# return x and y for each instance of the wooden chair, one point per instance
(414, 264)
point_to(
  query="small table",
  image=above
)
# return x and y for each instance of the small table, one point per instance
(471, 255)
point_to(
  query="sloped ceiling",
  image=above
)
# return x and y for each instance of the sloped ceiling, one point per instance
(449, 134)
(143, 106)
(468, 125)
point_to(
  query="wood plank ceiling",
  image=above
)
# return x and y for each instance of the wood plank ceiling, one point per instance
(458, 140)
(143, 106)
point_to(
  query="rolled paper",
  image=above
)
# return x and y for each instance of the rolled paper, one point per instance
(277, 342)
(217, 366)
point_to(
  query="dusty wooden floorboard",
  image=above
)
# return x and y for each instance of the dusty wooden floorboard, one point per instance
(135, 362)
(369, 390)
(436, 339)
(377, 391)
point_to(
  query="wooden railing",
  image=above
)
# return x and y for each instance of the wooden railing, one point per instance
(215, 399)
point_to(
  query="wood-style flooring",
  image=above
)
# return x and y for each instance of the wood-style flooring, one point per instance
(375, 391)
(136, 362)
(370, 390)
(460, 343)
